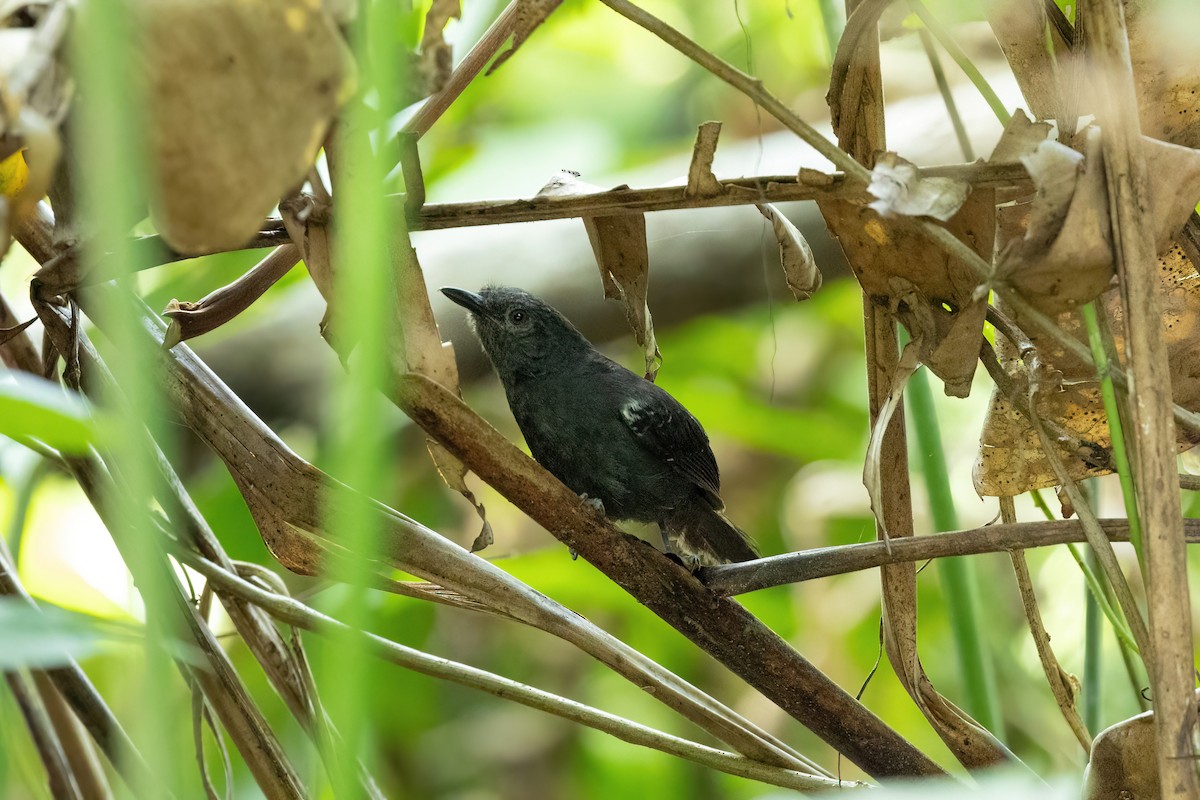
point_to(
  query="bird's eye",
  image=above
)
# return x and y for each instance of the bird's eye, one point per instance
(517, 316)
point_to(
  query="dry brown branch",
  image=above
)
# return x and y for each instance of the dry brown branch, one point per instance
(822, 562)
(1063, 685)
(471, 65)
(189, 320)
(1172, 667)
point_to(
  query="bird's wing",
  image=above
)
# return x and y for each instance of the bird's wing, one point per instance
(667, 429)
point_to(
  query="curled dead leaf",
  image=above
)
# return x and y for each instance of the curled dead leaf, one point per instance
(873, 472)
(795, 256)
(239, 97)
(1064, 257)
(623, 257)
(701, 182)
(437, 56)
(900, 190)
(421, 350)
(529, 15)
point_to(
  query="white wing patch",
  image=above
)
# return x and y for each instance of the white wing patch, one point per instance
(640, 416)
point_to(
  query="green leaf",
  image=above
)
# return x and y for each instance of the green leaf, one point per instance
(37, 408)
(44, 636)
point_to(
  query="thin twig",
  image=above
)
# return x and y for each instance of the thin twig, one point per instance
(466, 70)
(1056, 677)
(189, 320)
(807, 565)
(293, 612)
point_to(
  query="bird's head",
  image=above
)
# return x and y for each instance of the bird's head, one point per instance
(521, 334)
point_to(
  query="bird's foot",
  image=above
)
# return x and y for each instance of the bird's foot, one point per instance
(594, 503)
(688, 561)
(574, 554)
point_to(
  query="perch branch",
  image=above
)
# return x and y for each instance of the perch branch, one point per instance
(721, 627)
(254, 454)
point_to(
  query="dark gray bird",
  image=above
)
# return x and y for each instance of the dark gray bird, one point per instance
(605, 432)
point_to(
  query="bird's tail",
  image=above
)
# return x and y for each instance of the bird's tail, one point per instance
(706, 533)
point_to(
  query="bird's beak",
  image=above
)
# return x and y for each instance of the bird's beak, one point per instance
(468, 300)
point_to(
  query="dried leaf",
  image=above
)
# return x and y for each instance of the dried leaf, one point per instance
(701, 182)
(873, 472)
(245, 126)
(421, 350)
(1055, 170)
(437, 56)
(1166, 69)
(799, 267)
(941, 289)
(529, 15)
(1124, 761)
(307, 220)
(1078, 263)
(901, 190)
(1011, 460)
(854, 80)
(622, 255)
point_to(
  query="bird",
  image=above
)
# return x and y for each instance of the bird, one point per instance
(612, 436)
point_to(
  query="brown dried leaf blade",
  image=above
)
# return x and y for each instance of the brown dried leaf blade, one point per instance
(623, 257)
(873, 472)
(799, 267)
(701, 182)
(1011, 460)
(437, 56)
(932, 294)
(1065, 258)
(425, 353)
(245, 126)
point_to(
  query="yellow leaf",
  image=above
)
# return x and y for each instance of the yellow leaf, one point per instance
(14, 174)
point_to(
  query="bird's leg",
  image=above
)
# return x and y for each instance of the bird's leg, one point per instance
(594, 503)
(689, 561)
(666, 540)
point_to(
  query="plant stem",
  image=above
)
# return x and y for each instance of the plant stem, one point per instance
(1093, 633)
(957, 574)
(1115, 427)
(969, 69)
